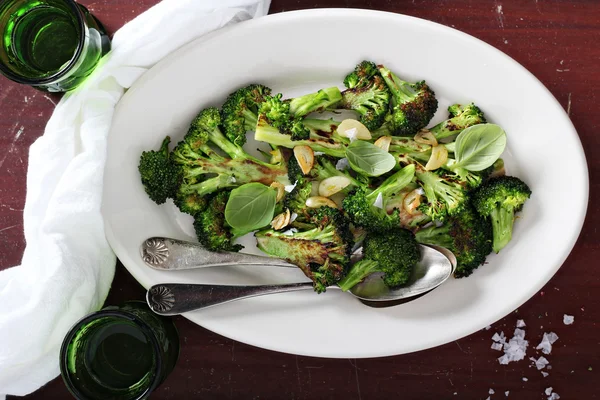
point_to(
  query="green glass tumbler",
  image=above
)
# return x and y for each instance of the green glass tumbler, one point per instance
(52, 45)
(119, 353)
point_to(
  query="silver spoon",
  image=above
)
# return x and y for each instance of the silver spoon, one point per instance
(434, 268)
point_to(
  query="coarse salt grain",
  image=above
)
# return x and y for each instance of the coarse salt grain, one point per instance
(289, 188)
(520, 323)
(318, 153)
(548, 391)
(351, 134)
(568, 319)
(506, 393)
(487, 328)
(497, 346)
(554, 396)
(378, 201)
(491, 391)
(525, 379)
(545, 374)
(293, 217)
(342, 164)
(541, 362)
(546, 344)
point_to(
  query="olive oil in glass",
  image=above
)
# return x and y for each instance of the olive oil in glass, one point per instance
(49, 44)
(119, 353)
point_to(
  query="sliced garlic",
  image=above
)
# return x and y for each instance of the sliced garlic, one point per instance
(351, 128)
(426, 137)
(305, 157)
(411, 202)
(320, 201)
(439, 156)
(384, 143)
(280, 190)
(282, 220)
(332, 185)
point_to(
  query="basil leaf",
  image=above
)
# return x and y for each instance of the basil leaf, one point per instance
(479, 146)
(250, 207)
(368, 159)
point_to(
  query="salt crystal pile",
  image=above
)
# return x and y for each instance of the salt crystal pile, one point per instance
(568, 319)
(515, 348)
(546, 343)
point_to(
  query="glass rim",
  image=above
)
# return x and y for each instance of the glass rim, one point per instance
(115, 312)
(66, 68)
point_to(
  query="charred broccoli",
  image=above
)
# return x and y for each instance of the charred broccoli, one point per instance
(321, 248)
(367, 94)
(466, 234)
(393, 253)
(500, 198)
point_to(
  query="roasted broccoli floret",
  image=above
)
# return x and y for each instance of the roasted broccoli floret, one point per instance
(205, 171)
(295, 200)
(393, 253)
(461, 117)
(446, 193)
(367, 94)
(500, 198)
(240, 112)
(413, 105)
(466, 234)
(212, 229)
(322, 135)
(367, 208)
(160, 176)
(321, 248)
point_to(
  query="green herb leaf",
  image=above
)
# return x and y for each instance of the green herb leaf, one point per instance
(368, 159)
(250, 207)
(479, 146)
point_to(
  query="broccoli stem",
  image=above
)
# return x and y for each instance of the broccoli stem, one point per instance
(267, 133)
(394, 184)
(357, 273)
(502, 226)
(211, 185)
(319, 101)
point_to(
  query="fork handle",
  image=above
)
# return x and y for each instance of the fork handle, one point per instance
(178, 298)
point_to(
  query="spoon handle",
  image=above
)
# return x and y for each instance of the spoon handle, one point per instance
(178, 298)
(168, 254)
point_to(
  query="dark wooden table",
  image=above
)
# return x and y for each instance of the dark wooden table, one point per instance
(556, 40)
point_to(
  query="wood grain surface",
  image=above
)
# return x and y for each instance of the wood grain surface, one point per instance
(558, 41)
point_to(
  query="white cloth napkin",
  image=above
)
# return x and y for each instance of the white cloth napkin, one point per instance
(68, 266)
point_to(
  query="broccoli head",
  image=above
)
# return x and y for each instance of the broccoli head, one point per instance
(240, 112)
(500, 198)
(446, 193)
(466, 234)
(461, 117)
(394, 253)
(321, 248)
(367, 94)
(205, 171)
(413, 105)
(367, 208)
(160, 176)
(212, 229)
